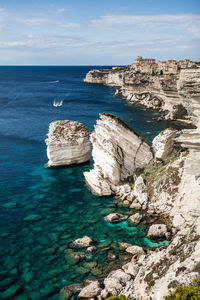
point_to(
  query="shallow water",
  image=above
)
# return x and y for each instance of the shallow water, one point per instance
(43, 210)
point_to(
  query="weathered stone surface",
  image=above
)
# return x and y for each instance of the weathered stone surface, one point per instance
(143, 85)
(163, 143)
(140, 191)
(68, 143)
(130, 268)
(117, 152)
(135, 250)
(135, 205)
(91, 290)
(83, 242)
(157, 231)
(115, 218)
(135, 219)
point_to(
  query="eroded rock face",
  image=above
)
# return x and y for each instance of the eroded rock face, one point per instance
(68, 143)
(163, 92)
(117, 152)
(163, 143)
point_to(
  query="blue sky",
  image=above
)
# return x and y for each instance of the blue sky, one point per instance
(94, 32)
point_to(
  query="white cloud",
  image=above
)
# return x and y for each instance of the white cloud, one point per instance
(184, 22)
(36, 22)
(60, 10)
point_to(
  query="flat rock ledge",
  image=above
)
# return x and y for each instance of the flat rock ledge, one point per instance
(68, 143)
(117, 152)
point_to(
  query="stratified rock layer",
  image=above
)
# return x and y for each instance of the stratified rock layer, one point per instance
(163, 143)
(117, 152)
(68, 143)
(176, 91)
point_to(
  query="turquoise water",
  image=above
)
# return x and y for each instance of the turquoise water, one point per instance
(42, 211)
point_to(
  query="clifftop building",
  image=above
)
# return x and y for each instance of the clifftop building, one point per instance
(171, 66)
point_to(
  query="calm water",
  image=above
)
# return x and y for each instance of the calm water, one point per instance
(43, 210)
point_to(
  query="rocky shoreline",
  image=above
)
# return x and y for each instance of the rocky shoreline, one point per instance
(169, 87)
(161, 181)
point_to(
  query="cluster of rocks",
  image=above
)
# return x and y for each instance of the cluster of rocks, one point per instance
(116, 280)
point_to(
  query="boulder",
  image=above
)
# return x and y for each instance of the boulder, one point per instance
(86, 241)
(157, 231)
(135, 219)
(117, 152)
(135, 250)
(130, 268)
(135, 205)
(163, 143)
(119, 275)
(68, 143)
(91, 290)
(115, 218)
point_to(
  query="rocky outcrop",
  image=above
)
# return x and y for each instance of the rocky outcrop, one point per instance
(163, 144)
(117, 152)
(176, 90)
(67, 143)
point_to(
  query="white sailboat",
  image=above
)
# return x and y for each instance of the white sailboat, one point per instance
(57, 103)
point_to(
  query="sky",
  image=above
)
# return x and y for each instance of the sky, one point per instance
(97, 32)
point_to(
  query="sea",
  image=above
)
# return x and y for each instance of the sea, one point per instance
(42, 211)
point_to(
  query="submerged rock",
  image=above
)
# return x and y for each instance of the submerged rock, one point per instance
(86, 241)
(67, 143)
(32, 218)
(117, 152)
(115, 218)
(163, 143)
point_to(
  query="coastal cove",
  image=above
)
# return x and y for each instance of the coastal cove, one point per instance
(42, 211)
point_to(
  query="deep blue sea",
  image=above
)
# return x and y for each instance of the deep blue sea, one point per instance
(43, 210)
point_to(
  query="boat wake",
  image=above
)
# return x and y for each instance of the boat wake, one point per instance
(54, 81)
(57, 103)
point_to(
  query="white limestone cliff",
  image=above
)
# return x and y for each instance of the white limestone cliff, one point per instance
(67, 143)
(174, 92)
(117, 152)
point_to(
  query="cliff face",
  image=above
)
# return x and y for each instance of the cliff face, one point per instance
(68, 143)
(117, 152)
(170, 188)
(162, 91)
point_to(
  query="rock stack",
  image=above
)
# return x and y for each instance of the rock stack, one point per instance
(117, 152)
(67, 143)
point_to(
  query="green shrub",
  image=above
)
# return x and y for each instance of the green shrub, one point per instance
(191, 292)
(139, 171)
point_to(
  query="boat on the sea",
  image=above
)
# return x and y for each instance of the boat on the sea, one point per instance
(57, 103)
